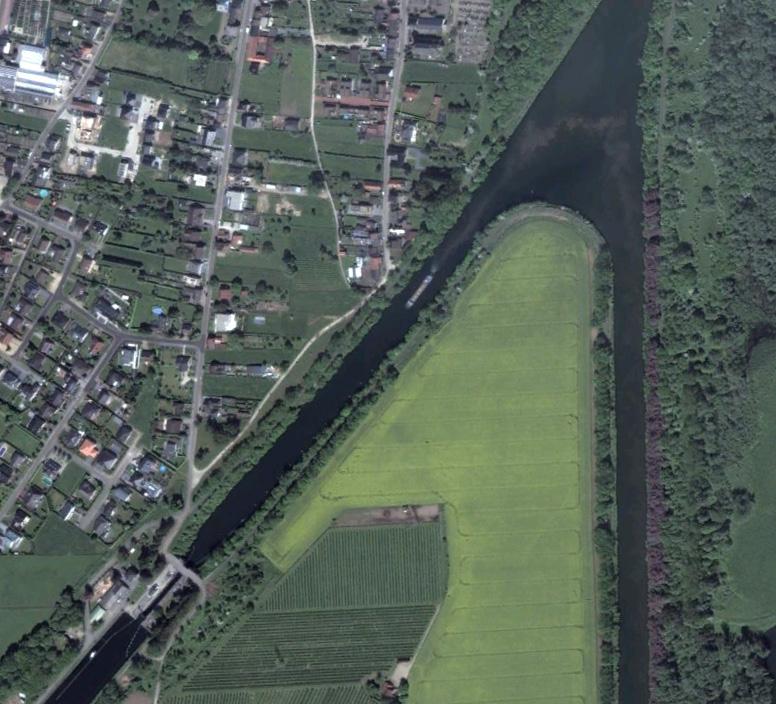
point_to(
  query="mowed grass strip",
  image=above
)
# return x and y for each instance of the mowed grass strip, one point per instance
(492, 418)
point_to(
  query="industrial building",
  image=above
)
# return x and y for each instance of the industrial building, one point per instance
(31, 76)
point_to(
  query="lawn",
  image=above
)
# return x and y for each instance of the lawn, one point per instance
(146, 406)
(56, 537)
(70, 478)
(113, 133)
(287, 174)
(108, 167)
(236, 386)
(749, 597)
(22, 439)
(491, 418)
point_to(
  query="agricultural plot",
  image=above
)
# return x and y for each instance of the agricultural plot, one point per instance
(338, 694)
(314, 647)
(359, 599)
(491, 418)
(748, 597)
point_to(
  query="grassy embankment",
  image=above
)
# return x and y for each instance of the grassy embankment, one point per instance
(492, 418)
(749, 596)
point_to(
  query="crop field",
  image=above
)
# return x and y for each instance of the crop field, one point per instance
(492, 419)
(748, 597)
(314, 647)
(358, 600)
(337, 694)
(318, 581)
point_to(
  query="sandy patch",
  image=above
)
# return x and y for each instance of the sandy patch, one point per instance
(286, 207)
(389, 515)
(262, 203)
(138, 698)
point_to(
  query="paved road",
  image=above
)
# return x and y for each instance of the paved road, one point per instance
(50, 444)
(218, 208)
(393, 100)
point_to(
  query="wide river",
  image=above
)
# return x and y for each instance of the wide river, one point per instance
(578, 146)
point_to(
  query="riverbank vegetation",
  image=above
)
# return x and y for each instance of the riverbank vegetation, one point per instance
(530, 40)
(707, 113)
(605, 478)
(32, 661)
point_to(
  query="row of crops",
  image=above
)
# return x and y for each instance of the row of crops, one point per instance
(375, 566)
(314, 647)
(340, 694)
(358, 600)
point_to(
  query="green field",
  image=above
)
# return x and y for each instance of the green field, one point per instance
(113, 133)
(492, 418)
(359, 599)
(263, 88)
(172, 65)
(22, 120)
(297, 80)
(22, 439)
(276, 142)
(30, 585)
(749, 597)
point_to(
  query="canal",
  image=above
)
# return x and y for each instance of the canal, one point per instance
(579, 146)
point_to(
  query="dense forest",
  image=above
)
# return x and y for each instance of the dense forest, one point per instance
(707, 111)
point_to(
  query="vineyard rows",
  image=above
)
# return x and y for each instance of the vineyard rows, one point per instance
(341, 694)
(376, 566)
(313, 647)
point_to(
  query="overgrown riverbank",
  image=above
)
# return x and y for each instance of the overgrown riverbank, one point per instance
(707, 115)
